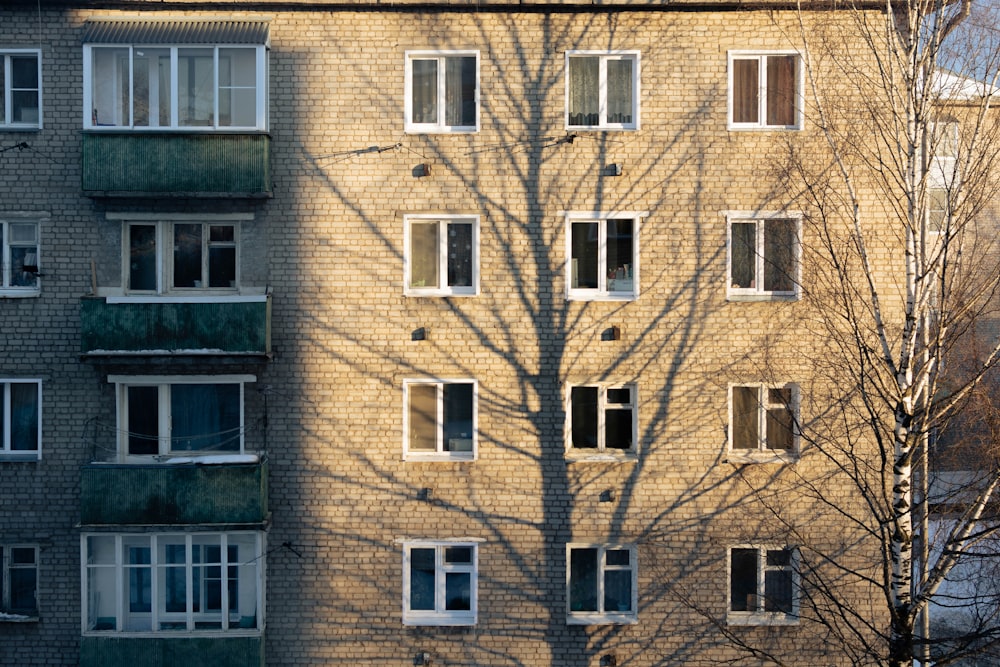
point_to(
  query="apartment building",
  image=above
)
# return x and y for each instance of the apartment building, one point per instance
(405, 334)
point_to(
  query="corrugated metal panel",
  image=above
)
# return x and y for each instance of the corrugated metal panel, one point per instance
(166, 652)
(119, 31)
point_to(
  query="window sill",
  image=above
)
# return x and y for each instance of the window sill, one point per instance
(20, 293)
(601, 457)
(149, 634)
(219, 297)
(118, 129)
(441, 130)
(7, 617)
(591, 296)
(20, 457)
(739, 297)
(764, 128)
(463, 457)
(440, 621)
(762, 456)
(736, 618)
(602, 128)
(20, 128)
(601, 619)
(438, 293)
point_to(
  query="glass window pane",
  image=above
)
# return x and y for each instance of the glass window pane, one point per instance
(110, 87)
(423, 97)
(618, 429)
(458, 399)
(23, 581)
(222, 266)
(24, 266)
(237, 87)
(583, 415)
(187, 255)
(619, 557)
(584, 90)
(458, 555)
(139, 581)
(460, 254)
(151, 86)
(620, 253)
(424, 259)
(743, 251)
(779, 255)
(583, 580)
(780, 421)
(3, 98)
(143, 420)
(743, 583)
(620, 90)
(778, 591)
(745, 419)
(618, 590)
(423, 417)
(781, 84)
(458, 591)
(24, 416)
(584, 259)
(101, 603)
(142, 257)
(205, 417)
(460, 91)
(195, 87)
(746, 105)
(620, 395)
(422, 579)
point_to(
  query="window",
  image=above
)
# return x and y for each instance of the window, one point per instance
(603, 254)
(763, 586)
(602, 90)
(180, 415)
(601, 584)
(762, 422)
(20, 89)
(442, 255)
(20, 420)
(173, 583)
(181, 256)
(19, 258)
(765, 90)
(440, 581)
(602, 420)
(763, 257)
(157, 86)
(442, 91)
(440, 419)
(18, 582)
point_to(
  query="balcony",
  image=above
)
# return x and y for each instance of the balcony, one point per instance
(165, 493)
(188, 651)
(138, 164)
(239, 326)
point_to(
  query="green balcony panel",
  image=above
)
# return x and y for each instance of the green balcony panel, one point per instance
(183, 493)
(238, 327)
(171, 651)
(212, 165)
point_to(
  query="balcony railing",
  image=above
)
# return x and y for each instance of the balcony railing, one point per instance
(166, 493)
(187, 651)
(240, 327)
(136, 164)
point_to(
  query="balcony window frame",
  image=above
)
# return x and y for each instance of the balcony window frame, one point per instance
(441, 124)
(440, 453)
(757, 291)
(607, 288)
(760, 615)
(164, 417)
(147, 583)
(602, 451)
(7, 452)
(603, 57)
(762, 453)
(8, 263)
(7, 122)
(92, 119)
(601, 615)
(443, 255)
(761, 56)
(440, 615)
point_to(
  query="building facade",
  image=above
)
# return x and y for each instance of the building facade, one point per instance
(441, 333)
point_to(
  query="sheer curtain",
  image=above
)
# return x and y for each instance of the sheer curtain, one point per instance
(584, 91)
(620, 91)
(460, 91)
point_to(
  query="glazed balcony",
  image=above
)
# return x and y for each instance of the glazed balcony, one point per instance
(168, 493)
(138, 164)
(229, 326)
(188, 651)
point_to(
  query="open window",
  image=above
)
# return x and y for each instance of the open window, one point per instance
(602, 421)
(19, 257)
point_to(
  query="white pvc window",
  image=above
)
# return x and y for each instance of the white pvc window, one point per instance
(20, 420)
(763, 586)
(602, 90)
(440, 582)
(601, 584)
(19, 258)
(442, 91)
(763, 422)
(763, 256)
(602, 420)
(440, 419)
(765, 90)
(20, 89)
(602, 256)
(442, 255)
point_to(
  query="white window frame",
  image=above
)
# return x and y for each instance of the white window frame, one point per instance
(8, 565)
(604, 57)
(758, 293)
(443, 221)
(6, 67)
(91, 122)
(164, 224)
(6, 453)
(761, 56)
(603, 616)
(120, 575)
(602, 452)
(602, 291)
(441, 454)
(440, 616)
(7, 290)
(762, 453)
(760, 617)
(163, 383)
(943, 150)
(441, 126)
